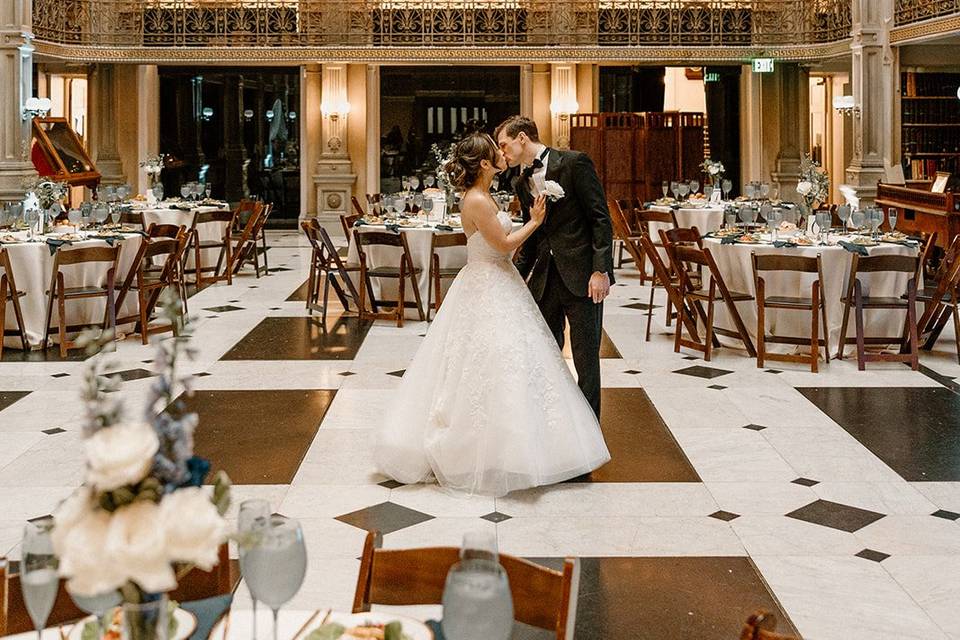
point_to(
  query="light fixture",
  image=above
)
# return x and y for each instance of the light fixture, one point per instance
(248, 114)
(269, 114)
(36, 108)
(564, 107)
(207, 114)
(958, 93)
(291, 115)
(334, 109)
(846, 105)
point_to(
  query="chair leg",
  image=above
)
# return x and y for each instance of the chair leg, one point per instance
(681, 311)
(416, 288)
(814, 327)
(956, 329)
(709, 330)
(650, 310)
(62, 319)
(912, 327)
(326, 296)
(144, 320)
(266, 264)
(858, 315)
(311, 278)
(401, 304)
(842, 342)
(256, 259)
(362, 305)
(761, 329)
(433, 284)
(3, 310)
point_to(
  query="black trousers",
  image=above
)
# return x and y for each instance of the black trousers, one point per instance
(586, 325)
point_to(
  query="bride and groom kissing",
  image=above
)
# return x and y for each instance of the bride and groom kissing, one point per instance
(488, 404)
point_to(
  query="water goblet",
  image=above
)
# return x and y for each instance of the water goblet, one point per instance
(158, 191)
(726, 186)
(185, 190)
(665, 187)
(477, 604)
(98, 605)
(748, 190)
(415, 182)
(730, 216)
(892, 214)
(405, 182)
(115, 214)
(694, 187)
(843, 212)
(427, 206)
(39, 580)
(764, 189)
(765, 210)
(30, 217)
(276, 563)
(429, 180)
(683, 189)
(74, 216)
(109, 193)
(876, 219)
(773, 222)
(822, 219)
(857, 218)
(708, 192)
(253, 514)
(674, 188)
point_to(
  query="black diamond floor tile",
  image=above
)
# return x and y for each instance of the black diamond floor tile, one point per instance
(346, 374)
(223, 308)
(726, 516)
(632, 371)
(835, 515)
(60, 375)
(870, 554)
(399, 373)
(640, 306)
(699, 371)
(7, 398)
(690, 358)
(202, 374)
(773, 371)
(946, 515)
(131, 374)
(496, 516)
(718, 387)
(54, 431)
(390, 484)
(806, 482)
(385, 517)
(755, 427)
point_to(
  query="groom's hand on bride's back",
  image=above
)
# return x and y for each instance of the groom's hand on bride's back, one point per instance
(599, 287)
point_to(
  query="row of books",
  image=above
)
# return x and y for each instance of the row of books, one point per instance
(930, 111)
(929, 84)
(930, 140)
(927, 169)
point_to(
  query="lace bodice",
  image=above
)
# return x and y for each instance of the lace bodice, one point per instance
(479, 250)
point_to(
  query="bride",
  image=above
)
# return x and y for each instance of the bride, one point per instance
(488, 405)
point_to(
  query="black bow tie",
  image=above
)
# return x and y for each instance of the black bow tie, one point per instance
(527, 173)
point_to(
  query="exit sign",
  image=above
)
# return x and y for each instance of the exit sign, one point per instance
(763, 65)
(711, 76)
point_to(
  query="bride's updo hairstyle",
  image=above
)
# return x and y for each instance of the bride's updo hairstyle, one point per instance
(464, 168)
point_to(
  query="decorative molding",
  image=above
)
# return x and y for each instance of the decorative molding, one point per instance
(944, 25)
(912, 11)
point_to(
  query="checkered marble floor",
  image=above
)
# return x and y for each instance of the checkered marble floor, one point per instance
(833, 498)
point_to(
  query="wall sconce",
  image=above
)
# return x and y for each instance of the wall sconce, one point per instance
(269, 114)
(334, 109)
(206, 114)
(36, 108)
(561, 108)
(248, 115)
(846, 105)
(291, 115)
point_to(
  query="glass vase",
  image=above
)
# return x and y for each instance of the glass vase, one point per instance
(146, 620)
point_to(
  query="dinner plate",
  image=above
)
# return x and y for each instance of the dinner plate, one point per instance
(186, 625)
(413, 629)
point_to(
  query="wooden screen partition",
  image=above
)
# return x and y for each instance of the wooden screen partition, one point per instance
(635, 152)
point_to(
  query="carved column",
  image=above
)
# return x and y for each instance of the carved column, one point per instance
(563, 102)
(334, 177)
(794, 91)
(235, 154)
(526, 90)
(16, 80)
(104, 109)
(874, 80)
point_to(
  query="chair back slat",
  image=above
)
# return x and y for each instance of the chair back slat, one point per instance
(367, 238)
(690, 255)
(83, 255)
(161, 247)
(357, 207)
(347, 223)
(780, 262)
(158, 230)
(131, 217)
(876, 264)
(203, 217)
(682, 236)
(445, 240)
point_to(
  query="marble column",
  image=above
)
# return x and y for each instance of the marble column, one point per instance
(526, 90)
(334, 176)
(794, 94)
(235, 154)
(103, 138)
(874, 79)
(16, 78)
(373, 129)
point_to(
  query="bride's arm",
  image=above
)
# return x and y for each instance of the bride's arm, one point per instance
(477, 210)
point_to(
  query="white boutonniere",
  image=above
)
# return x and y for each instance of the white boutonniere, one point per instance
(553, 191)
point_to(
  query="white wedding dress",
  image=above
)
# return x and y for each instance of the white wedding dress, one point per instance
(488, 405)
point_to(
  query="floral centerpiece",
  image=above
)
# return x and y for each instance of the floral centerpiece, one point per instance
(814, 184)
(49, 195)
(442, 155)
(714, 169)
(142, 519)
(153, 165)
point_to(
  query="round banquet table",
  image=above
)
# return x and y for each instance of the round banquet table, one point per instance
(735, 265)
(32, 266)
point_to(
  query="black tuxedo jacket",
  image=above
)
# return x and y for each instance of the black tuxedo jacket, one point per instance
(576, 235)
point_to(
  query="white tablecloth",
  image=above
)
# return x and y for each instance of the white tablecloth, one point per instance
(32, 266)
(705, 219)
(735, 266)
(212, 231)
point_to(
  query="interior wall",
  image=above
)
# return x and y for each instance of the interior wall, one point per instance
(681, 93)
(357, 128)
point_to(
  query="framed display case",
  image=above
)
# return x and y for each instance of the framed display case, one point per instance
(58, 153)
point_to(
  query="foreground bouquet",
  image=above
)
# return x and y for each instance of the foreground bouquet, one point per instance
(814, 185)
(142, 514)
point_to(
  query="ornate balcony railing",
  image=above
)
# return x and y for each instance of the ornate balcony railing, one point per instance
(440, 23)
(910, 11)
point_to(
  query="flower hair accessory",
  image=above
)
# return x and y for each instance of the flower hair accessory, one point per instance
(552, 190)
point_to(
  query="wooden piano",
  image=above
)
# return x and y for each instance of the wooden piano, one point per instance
(922, 211)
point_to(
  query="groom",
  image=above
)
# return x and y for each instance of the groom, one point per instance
(568, 261)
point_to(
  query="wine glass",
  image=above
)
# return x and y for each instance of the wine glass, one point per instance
(764, 189)
(158, 191)
(665, 187)
(892, 214)
(109, 193)
(427, 207)
(429, 180)
(674, 188)
(253, 514)
(747, 215)
(415, 182)
(31, 216)
(100, 213)
(683, 189)
(185, 190)
(197, 189)
(730, 216)
(708, 192)
(276, 563)
(98, 605)
(876, 219)
(822, 218)
(477, 604)
(773, 222)
(843, 212)
(857, 218)
(207, 189)
(748, 190)
(115, 215)
(694, 187)
(726, 186)
(74, 216)
(39, 580)
(405, 182)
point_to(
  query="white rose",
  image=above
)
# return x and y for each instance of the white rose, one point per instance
(136, 543)
(70, 512)
(193, 527)
(83, 557)
(714, 169)
(804, 187)
(553, 190)
(120, 455)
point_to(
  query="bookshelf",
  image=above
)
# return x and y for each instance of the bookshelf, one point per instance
(930, 122)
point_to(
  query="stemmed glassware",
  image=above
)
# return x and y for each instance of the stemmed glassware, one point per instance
(185, 190)
(726, 186)
(843, 212)
(276, 563)
(708, 192)
(427, 206)
(98, 605)
(429, 180)
(674, 188)
(158, 191)
(694, 187)
(730, 216)
(31, 215)
(857, 218)
(764, 190)
(414, 182)
(822, 219)
(683, 189)
(747, 215)
(39, 580)
(252, 515)
(892, 214)
(748, 190)
(405, 183)
(207, 189)
(477, 604)
(875, 220)
(773, 222)
(665, 187)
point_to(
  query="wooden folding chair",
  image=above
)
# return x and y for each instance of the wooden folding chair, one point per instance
(59, 293)
(438, 273)
(908, 339)
(399, 273)
(762, 625)
(224, 244)
(357, 207)
(10, 293)
(174, 231)
(542, 597)
(325, 264)
(689, 259)
(347, 223)
(247, 249)
(149, 281)
(940, 300)
(260, 236)
(816, 304)
(132, 218)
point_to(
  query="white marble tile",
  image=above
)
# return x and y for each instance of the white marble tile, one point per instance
(358, 408)
(582, 500)
(436, 501)
(330, 501)
(882, 497)
(733, 455)
(912, 536)
(327, 537)
(845, 599)
(760, 498)
(945, 495)
(273, 374)
(337, 457)
(438, 532)
(11, 532)
(934, 583)
(24, 503)
(708, 409)
(776, 406)
(17, 443)
(782, 536)
(823, 454)
(272, 493)
(54, 461)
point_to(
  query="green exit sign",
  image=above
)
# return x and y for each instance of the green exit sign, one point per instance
(763, 65)
(711, 76)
